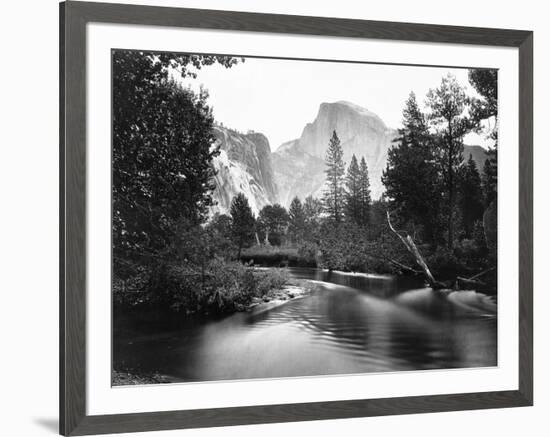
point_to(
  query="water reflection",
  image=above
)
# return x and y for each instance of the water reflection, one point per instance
(350, 324)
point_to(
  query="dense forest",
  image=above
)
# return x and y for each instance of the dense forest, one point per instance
(168, 251)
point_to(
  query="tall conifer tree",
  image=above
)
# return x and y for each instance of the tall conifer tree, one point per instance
(296, 222)
(353, 192)
(242, 222)
(364, 193)
(333, 197)
(411, 176)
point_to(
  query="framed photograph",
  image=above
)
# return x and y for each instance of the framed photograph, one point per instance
(270, 218)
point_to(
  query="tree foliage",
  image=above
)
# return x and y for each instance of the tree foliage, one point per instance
(333, 197)
(296, 221)
(448, 105)
(242, 222)
(470, 197)
(272, 223)
(364, 193)
(162, 138)
(485, 82)
(353, 192)
(411, 176)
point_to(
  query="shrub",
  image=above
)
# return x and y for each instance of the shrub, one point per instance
(308, 253)
(220, 287)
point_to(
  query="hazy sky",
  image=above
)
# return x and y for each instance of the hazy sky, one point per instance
(278, 97)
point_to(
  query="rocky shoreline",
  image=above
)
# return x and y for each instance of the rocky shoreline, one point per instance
(281, 296)
(137, 378)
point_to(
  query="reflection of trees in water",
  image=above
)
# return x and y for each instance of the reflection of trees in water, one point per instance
(377, 332)
(420, 331)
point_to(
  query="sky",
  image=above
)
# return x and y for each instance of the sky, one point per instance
(278, 97)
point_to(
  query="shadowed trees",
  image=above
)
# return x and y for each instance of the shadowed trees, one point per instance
(470, 197)
(485, 110)
(353, 192)
(272, 224)
(447, 107)
(296, 221)
(411, 176)
(162, 138)
(364, 193)
(242, 222)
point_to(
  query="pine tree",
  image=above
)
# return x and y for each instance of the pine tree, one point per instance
(411, 176)
(242, 222)
(470, 198)
(296, 223)
(364, 193)
(333, 197)
(448, 104)
(353, 200)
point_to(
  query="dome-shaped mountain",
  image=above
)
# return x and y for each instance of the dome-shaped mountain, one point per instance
(299, 164)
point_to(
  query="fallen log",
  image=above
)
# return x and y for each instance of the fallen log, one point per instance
(462, 283)
(483, 273)
(411, 247)
(472, 282)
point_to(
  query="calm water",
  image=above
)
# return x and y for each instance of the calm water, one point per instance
(350, 324)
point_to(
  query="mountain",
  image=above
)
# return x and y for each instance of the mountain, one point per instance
(299, 164)
(479, 155)
(243, 165)
(297, 173)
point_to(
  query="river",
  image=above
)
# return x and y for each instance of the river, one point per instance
(351, 323)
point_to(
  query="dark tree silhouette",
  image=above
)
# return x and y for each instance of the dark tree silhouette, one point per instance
(364, 193)
(353, 199)
(162, 137)
(296, 221)
(411, 176)
(470, 197)
(273, 222)
(488, 182)
(242, 222)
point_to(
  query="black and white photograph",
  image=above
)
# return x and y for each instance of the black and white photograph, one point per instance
(276, 218)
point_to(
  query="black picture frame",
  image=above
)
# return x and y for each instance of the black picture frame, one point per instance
(73, 19)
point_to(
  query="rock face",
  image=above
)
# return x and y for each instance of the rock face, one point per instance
(243, 165)
(299, 164)
(297, 173)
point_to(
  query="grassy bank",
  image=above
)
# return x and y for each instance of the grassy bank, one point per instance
(221, 287)
(277, 256)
